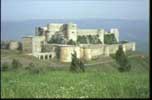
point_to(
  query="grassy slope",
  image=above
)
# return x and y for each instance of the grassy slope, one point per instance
(98, 81)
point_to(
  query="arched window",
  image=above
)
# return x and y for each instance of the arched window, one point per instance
(41, 57)
(50, 56)
(45, 56)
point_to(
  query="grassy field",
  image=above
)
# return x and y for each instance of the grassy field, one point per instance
(100, 81)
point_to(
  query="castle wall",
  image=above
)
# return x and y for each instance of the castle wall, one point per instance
(37, 42)
(97, 51)
(53, 28)
(27, 44)
(112, 48)
(81, 32)
(66, 51)
(129, 46)
(71, 31)
(87, 54)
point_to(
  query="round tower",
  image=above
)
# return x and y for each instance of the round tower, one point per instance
(72, 31)
(67, 51)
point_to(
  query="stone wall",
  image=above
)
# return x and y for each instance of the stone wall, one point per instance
(81, 32)
(53, 28)
(86, 52)
(66, 51)
(14, 45)
(27, 44)
(71, 32)
(37, 42)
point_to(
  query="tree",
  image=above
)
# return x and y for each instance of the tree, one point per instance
(77, 65)
(122, 60)
(81, 64)
(74, 63)
(16, 64)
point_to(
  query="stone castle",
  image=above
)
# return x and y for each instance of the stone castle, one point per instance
(34, 45)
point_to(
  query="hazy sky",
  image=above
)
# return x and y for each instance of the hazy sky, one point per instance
(74, 9)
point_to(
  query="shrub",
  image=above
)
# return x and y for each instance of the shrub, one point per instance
(5, 66)
(20, 46)
(109, 39)
(92, 39)
(71, 42)
(82, 39)
(57, 38)
(122, 60)
(32, 68)
(4, 44)
(16, 64)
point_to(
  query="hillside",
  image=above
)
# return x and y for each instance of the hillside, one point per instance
(99, 81)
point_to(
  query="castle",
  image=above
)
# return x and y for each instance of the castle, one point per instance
(40, 46)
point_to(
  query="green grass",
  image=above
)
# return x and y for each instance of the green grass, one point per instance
(72, 85)
(100, 81)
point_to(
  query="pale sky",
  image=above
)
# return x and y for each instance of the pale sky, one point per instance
(12, 10)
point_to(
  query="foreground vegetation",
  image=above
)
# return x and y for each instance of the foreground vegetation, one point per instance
(98, 81)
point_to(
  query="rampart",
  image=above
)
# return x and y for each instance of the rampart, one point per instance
(88, 52)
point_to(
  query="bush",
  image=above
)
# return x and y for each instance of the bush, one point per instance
(32, 68)
(57, 38)
(122, 60)
(109, 39)
(71, 42)
(5, 66)
(16, 64)
(4, 44)
(92, 39)
(77, 65)
(82, 39)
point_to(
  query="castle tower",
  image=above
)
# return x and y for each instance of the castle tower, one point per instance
(101, 35)
(115, 31)
(72, 31)
(51, 31)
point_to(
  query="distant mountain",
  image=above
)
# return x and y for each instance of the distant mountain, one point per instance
(132, 30)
